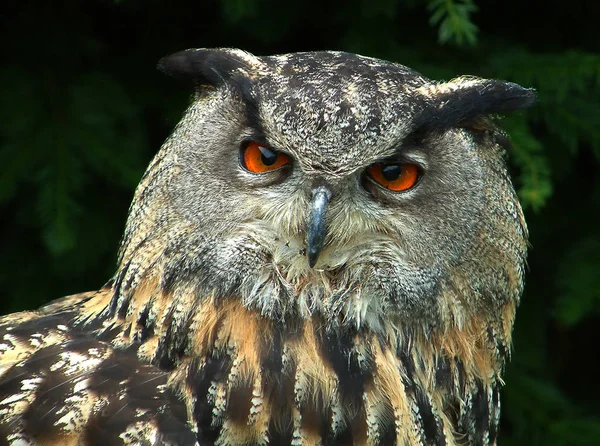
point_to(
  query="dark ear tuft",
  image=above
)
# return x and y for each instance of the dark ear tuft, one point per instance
(493, 96)
(207, 66)
(468, 97)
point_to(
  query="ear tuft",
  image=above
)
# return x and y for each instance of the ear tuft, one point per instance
(208, 66)
(469, 97)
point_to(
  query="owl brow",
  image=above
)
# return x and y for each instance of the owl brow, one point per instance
(440, 122)
(411, 141)
(249, 96)
(435, 119)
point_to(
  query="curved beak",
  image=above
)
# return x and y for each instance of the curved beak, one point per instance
(316, 229)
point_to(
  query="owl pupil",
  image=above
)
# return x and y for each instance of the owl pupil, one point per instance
(391, 172)
(268, 157)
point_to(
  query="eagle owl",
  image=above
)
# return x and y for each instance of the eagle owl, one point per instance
(328, 250)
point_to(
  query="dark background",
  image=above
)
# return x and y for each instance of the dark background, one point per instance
(82, 112)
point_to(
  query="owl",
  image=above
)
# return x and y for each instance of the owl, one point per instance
(328, 250)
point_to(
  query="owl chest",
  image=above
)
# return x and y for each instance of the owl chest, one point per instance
(256, 383)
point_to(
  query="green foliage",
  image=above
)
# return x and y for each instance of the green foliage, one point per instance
(528, 154)
(579, 281)
(453, 19)
(53, 133)
(550, 417)
(568, 85)
(82, 113)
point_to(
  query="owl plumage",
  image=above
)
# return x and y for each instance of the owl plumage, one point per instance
(307, 304)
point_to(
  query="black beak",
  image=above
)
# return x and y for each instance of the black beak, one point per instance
(316, 230)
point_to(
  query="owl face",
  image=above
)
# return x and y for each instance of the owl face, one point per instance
(334, 185)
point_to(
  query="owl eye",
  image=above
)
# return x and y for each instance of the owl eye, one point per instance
(396, 177)
(259, 159)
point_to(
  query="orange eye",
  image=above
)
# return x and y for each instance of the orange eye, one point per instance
(259, 159)
(395, 177)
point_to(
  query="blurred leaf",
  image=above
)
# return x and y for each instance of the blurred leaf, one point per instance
(575, 431)
(543, 412)
(568, 85)
(57, 208)
(106, 129)
(51, 135)
(535, 185)
(453, 18)
(579, 281)
(20, 113)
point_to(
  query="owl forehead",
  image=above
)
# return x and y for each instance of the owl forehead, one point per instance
(327, 107)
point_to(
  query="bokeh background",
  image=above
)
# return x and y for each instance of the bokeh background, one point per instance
(82, 112)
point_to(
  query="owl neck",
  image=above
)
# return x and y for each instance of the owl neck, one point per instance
(179, 323)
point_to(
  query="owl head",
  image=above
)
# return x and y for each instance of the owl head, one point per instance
(331, 185)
